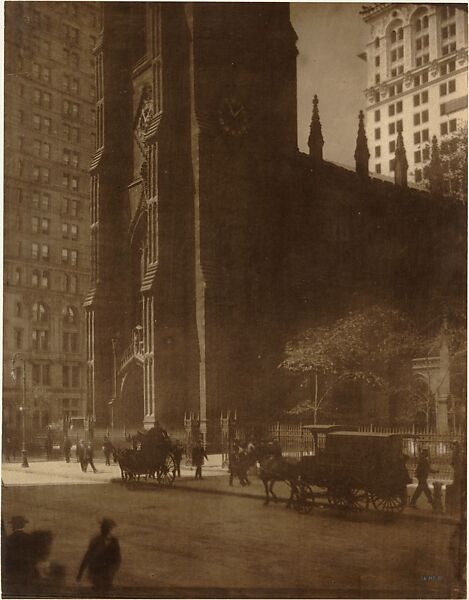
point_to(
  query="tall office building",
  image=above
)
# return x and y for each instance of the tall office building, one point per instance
(49, 124)
(417, 80)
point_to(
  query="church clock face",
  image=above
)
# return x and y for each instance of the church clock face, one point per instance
(233, 117)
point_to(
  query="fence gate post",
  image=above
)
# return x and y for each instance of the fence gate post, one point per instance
(227, 426)
(192, 428)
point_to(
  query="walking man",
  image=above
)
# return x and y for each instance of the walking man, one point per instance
(67, 448)
(198, 455)
(17, 563)
(423, 471)
(107, 449)
(89, 457)
(102, 559)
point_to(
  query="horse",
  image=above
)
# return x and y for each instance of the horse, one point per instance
(274, 467)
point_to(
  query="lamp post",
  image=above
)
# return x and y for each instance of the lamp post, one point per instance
(111, 406)
(24, 454)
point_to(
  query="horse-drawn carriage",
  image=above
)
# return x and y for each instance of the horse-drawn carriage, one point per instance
(353, 470)
(152, 455)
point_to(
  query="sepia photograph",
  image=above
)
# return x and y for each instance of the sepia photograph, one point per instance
(235, 300)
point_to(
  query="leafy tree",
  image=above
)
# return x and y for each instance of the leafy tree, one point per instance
(453, 165)
(366, 346)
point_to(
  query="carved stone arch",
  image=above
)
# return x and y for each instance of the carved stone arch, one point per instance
(143, 116)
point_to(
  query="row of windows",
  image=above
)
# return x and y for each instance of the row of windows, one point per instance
(43, 174)
(420, 155)
(43, 150)
(42, 225)
(421, 136)
(421, 117)
(69, 283)
(44, 124)
(42, 201)
(395, 108)
(393, 128)
(41, 72)
(40, 312)
(421, 98)
(41, 374)
(42, 251)
(70, 109)
(40, 340)
(448, 127)
(448, 87)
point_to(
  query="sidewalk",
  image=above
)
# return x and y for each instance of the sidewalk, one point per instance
(215, 481)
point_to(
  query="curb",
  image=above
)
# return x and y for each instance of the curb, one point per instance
(321, 510)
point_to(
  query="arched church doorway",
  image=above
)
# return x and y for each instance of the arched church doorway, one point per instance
(131, 405)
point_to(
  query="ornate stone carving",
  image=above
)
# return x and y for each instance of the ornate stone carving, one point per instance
(408, 80)
(461, 56)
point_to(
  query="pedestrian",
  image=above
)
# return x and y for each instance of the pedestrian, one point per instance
(89, 457)
(107, 450)
(67, 448)
(102, 559)
(81, 455)
(422, 472)
(198, 455)
(177, 455)
(7, 447)
(49, 445)
(18, 565)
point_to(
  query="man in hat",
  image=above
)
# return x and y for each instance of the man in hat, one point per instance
(102, 559)
(198, 455)
(67, 448)
(422, 472)
(18, 565)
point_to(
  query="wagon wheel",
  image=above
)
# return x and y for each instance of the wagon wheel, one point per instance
(339, 496)
(304, 499)
(392, 503)
(166, 472)
(358, 499)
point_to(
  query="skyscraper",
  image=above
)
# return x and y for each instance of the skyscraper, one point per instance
(49, 124)
(417, 80)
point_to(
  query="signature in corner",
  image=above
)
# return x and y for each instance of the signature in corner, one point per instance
(432, 578)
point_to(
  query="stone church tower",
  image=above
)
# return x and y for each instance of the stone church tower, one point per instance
(196, 103)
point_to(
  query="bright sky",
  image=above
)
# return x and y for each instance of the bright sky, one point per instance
(330, 36)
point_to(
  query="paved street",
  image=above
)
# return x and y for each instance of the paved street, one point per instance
(183, 540)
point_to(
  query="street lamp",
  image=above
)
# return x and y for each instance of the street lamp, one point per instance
(22, 409)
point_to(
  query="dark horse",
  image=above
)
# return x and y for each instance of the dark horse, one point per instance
(274, 467)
